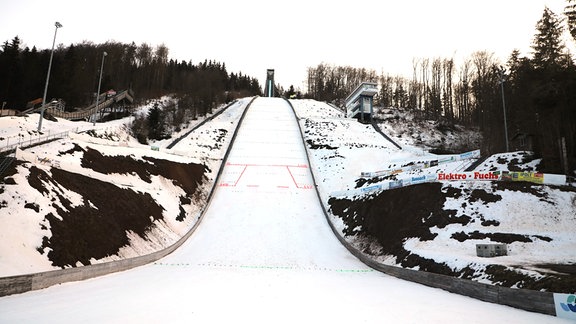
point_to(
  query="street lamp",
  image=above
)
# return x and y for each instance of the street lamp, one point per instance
(501, 71)
(98, 92)
(58, 25)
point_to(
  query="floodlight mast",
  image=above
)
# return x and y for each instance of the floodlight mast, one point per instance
(502, 72)
(98, 92)
(58, 25)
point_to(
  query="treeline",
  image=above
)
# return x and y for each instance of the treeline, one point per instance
(334, 83)
(537, 92)
(146, 70)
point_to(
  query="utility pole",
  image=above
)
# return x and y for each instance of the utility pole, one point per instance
(501, 71)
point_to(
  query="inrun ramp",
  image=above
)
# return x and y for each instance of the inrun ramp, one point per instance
(264, 253)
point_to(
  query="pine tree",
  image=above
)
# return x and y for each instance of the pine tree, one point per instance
(547, 45)
(156, 123)
(550, 90)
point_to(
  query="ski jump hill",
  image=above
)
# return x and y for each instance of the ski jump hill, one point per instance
(263, 251)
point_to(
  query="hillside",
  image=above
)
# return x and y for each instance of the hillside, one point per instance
(435, 226)
(101, 196)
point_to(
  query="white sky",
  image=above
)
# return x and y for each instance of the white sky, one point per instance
(253, 35)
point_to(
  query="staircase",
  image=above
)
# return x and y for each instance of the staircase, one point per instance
(103, 103)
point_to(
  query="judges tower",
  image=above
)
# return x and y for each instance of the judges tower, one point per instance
(269, 88)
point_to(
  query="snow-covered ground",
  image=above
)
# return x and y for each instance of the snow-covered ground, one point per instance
(538, 222)
(264, 252)
(24, 208)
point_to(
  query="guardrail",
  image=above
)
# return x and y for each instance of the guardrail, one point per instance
(379, 131)
(530, 300)
(173, 143)
(32, 140)
(34, 281)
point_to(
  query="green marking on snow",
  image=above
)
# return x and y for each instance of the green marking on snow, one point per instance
(266, 267)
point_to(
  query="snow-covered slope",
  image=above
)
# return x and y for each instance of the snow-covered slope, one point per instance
(436, 226)
(536, 221)
(99, 195)
(263, 253)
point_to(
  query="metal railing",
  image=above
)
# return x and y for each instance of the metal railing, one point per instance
(21, 141)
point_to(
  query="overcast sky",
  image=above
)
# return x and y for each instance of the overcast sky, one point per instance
(289, 36)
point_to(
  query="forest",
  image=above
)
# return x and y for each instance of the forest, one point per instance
(144, 69)
(526, 103)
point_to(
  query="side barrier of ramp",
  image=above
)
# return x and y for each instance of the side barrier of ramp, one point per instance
(530, 300)
(23, 283)
(377, 128)
(171, 145)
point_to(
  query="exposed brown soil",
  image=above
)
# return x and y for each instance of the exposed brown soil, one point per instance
(99, 226)
(381, 223)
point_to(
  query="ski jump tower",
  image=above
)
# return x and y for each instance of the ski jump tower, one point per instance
(360, 102)
(269, 88)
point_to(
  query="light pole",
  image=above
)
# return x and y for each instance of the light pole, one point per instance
(98, 92)
(58, 25)
(501, 71)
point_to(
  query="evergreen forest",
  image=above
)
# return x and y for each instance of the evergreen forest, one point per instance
(144, 69)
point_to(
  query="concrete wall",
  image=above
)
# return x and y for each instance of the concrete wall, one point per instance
(23, 283)
(530, 300)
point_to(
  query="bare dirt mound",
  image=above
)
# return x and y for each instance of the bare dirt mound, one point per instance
(99, 226)
(383, 222)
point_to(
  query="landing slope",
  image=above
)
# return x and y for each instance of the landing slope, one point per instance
(263, 253)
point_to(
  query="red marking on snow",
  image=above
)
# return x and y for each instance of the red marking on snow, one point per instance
(268, 165)
(241, 174)
(232, 183)
(292, 176)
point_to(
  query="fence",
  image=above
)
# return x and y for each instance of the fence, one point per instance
(12, 143)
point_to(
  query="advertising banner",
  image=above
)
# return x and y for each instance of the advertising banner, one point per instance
(469, 176)
(555, 179)
(371, 188)
(565, 305)
(470, 155)
(396, 184)
(417, 165)
(534, 177)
